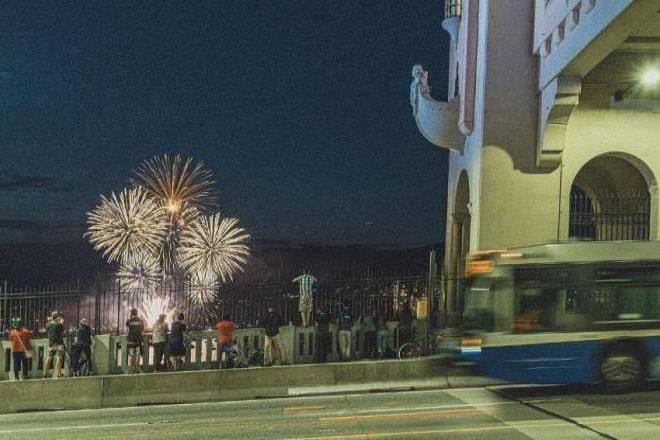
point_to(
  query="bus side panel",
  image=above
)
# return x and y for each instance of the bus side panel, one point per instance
(549, 363)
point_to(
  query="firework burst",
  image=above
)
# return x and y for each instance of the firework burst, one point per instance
(213, 245)
(139, 273)
(202, 288)
(183, 189)
(125, 225)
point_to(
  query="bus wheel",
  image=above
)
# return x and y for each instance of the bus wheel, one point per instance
(621, 370)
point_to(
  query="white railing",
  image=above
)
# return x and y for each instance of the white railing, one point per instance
(110, 356)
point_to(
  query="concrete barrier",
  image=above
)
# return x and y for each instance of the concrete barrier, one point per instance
(203, 386)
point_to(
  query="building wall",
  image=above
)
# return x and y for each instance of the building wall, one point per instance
(519, 202)
(597, 128)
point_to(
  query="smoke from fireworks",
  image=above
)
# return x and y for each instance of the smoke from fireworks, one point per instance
(139, 273)
(213, 244)
(202, 288)
(154, 306)
(184, 190)
(125, 225)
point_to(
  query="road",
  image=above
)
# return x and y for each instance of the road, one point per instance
(468, 413)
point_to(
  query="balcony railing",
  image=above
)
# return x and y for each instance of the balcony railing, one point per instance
(453, 8)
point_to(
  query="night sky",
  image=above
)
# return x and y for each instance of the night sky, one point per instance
(300, 108)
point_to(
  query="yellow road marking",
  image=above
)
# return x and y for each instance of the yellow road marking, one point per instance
(299, 409)
(417, 414)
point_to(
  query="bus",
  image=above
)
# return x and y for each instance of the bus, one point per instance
(565, 313)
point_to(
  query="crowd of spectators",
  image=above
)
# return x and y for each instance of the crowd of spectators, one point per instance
(169, 340)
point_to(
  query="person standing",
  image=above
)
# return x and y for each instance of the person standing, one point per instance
(20, 347)
(272, 344)
(225, 337)
(345, 324)
(382, 335)
(134, 341)
(323, 339)
(55, 330)
(405, 318)
(82, 345)
(177, 346)
(369, 331)
(159, 340)
(306, 283)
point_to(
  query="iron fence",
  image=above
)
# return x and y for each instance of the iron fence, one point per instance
(107, 304)
(453, 8)
(609, 216)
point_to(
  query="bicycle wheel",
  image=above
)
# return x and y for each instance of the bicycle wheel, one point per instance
(409, 350)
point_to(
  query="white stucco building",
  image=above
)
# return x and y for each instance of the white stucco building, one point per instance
(552, 123)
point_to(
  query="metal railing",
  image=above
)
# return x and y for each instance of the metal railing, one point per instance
(106, 304)
(609, 216)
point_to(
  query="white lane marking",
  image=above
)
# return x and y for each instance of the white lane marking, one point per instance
(66, 428)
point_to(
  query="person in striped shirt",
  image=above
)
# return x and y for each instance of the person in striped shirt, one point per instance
(306, 282)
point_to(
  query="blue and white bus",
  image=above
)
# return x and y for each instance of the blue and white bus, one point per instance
(580, 312)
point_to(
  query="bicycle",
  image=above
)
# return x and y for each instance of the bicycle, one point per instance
(424, 346)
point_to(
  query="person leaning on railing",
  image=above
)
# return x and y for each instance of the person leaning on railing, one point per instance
(159, 341)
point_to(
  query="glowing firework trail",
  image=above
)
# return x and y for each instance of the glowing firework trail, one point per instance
(202, 288)
(125, 225)
(139, 273)
(154, 306)
(213, 244)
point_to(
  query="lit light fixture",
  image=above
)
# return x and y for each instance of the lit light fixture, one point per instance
(650, 77)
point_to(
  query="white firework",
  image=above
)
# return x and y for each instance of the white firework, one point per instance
(214, 245)
(183, 189)
(177, 183)
(202, 288)
(123, 226)
(139, 273)
(154, 306)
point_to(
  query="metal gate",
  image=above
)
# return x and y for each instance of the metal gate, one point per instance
(609, 216)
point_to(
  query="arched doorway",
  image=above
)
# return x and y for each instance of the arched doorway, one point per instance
(610, 200)
(460, 243)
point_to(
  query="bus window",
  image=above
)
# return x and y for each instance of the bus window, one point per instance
(535, 310)
(549, 298)
(479, 304)
(626, 293)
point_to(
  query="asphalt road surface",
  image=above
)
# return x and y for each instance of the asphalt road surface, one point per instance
(469, 413)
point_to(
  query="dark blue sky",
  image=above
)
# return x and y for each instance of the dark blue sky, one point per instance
(300, 108)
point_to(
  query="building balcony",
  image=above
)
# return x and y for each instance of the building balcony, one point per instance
(436, 120)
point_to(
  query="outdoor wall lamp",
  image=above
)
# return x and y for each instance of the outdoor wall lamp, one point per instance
(650, 77)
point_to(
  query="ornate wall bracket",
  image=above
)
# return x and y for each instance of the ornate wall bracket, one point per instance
(558, 100)
(436, 120)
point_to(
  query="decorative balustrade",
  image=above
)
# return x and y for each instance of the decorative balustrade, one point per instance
(110, 355)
